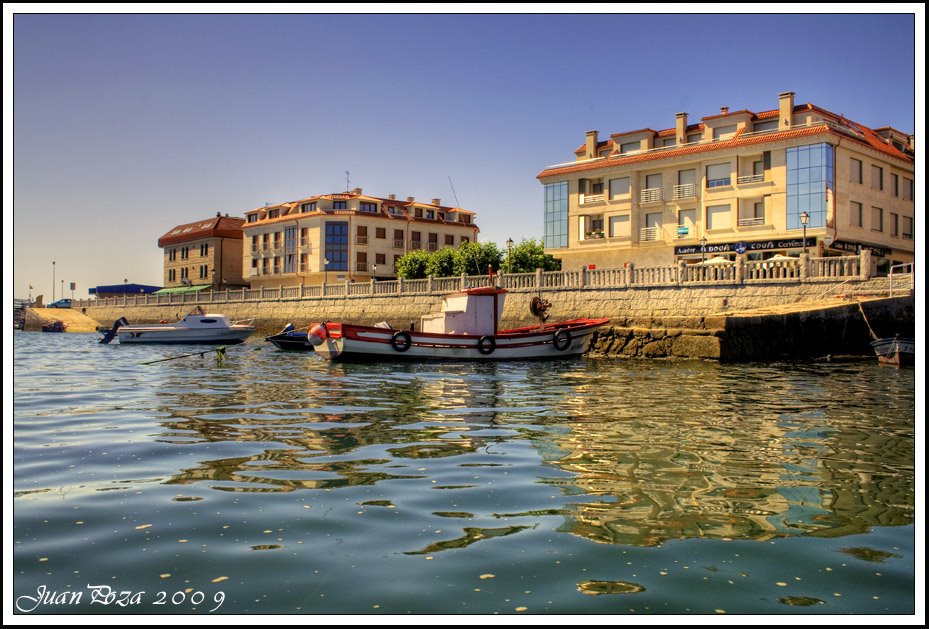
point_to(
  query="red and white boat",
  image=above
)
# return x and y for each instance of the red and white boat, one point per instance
(465, 329)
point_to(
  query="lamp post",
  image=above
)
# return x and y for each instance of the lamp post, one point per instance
(703, 249)
(804, 218)
(326, 267)
(374, 272)
(53, 280)
(509, 252)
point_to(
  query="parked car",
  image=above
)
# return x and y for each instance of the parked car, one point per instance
(61, 303)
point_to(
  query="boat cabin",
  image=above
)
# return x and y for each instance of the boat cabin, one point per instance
(474, 311)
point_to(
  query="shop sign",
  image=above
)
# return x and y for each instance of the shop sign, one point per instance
(742, 247)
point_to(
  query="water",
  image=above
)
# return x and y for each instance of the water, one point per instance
(272, 482)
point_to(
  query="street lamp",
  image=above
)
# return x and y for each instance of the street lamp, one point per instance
(804, 218)
(326, 267)
(373, 270)
(53, 280)
(703, 248)
(509, 252)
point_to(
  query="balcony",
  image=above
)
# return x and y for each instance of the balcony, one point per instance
(361, 240)
(684, 191)
(647, 234)
(594, 234)
(751, 222)
(432, 246)
(306, 249)
(719, 183)
(361, 267)
(591, 198)
(398, 244)
(749, 179)
(650, 195)
(416, 244)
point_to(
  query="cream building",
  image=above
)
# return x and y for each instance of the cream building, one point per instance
(345, 237)
(736, 182)
(204, 255)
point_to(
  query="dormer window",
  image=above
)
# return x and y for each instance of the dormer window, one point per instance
(368, 207)
(339, 205)
(274, 213)
(430, 214)
(308, 207)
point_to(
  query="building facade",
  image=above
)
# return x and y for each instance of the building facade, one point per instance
(205, 254)
(343, 237)
(777, 182)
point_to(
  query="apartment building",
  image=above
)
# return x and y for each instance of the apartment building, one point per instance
(204, 255)
(777, 182)
(347, 236)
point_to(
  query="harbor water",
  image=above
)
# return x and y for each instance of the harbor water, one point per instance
(267, 482)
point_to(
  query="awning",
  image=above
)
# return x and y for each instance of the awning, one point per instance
(181, 289)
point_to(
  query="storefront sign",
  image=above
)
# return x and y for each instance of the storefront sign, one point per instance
(742, 247)
(855, 247)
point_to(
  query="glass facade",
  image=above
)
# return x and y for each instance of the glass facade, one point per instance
(809, 172)
(337, 245)
(556, 215)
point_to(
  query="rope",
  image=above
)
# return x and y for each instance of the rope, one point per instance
(873, 335)
(220, 355)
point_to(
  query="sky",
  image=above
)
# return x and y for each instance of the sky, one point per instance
(117, 127)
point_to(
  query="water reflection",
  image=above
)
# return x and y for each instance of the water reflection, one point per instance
(641, 452)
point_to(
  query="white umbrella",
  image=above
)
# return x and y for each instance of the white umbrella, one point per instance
(717, 260)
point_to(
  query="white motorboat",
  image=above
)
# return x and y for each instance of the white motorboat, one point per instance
(198, 327)
(465, 329)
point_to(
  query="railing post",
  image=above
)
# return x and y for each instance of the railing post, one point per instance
(499, 280)
(630, 276)
(430, 284)
(804, 267)
(865, 270)
(740, 269)
(399, 285)
(464, 282)
(583, 279)
(538, 278)
(681, 272)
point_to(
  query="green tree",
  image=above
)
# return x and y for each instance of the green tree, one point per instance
(413, 265)
(441, 263)
(528, 256)
(472, 258)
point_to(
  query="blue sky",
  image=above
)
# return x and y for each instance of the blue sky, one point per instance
(126, 125)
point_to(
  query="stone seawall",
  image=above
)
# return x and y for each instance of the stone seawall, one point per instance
(727, 323)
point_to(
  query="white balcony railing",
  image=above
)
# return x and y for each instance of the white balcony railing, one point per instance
(361, 240)
(398, 243)
(592, 198)
(684, 191)
(650, 195)
(650, 233)
(748, 222)
(750, 179)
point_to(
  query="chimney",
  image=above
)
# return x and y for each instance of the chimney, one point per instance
(410, 199)
(437, 202)
(680, 133)
(786, 110)
(356, 191)
(590, 149)
(391, 197)
(723, 111)
(218, 215)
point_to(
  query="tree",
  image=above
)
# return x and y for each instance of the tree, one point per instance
(528, 256)
(441, 263)
(472, 258)
(413, 265)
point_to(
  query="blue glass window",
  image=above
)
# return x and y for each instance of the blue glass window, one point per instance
(337, 245)
(809, 173)
(556, 215)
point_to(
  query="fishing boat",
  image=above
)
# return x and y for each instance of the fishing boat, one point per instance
(198, 327)
(291, 339)
(896, 351)
(465, 329)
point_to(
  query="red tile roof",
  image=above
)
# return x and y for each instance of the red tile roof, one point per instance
(215, 227)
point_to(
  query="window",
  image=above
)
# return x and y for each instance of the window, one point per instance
(894, 224)
(304, 236)
(669, 142)
(204, 271)
(433, 242)
(725, 133)
(627, 147)
(416, 239)
(620, 226)
(694, 138)
(855, 171)
(718, 175)
(430, 214)
(758, 167)
(857, 214)
(907, 228)
(304, 262)
(809, 175)
(465, 239)
(380, 232)
(361, 261)
(686, 184)
(253, 218)
(337, 245)
(184, 273)
(686, 224)
(591, 226)
(204, 249)
(393, 210)
(172, 275)
(398, 238)
(907, 192)
(368, 207)
(877, 219)
(185, 253)
(653, 181)
(596, 187)
(339, 205)
(877, 178)
(619, 187)
(718, 217)
(555, 215)
(418, 212)
(449, 240)
(274, 213)
(380, 259)
(895, 178)
(308, 207)
(767, 125)
(172, 254)
(361, 235)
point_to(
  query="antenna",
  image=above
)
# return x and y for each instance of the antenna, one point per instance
(457, 203)
(348, 182)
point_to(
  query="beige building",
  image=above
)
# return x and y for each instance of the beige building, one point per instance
(343, 237)
(206, 254)
(736, 182)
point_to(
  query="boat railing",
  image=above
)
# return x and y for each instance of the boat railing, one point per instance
(833, 271)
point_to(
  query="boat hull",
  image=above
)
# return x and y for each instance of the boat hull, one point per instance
(181, 336)
(345, 342)
(291, 341)
(895, 352)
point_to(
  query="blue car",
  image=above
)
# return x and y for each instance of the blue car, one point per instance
(61, 303)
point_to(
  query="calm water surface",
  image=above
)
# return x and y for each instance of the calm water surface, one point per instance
(273, 482)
